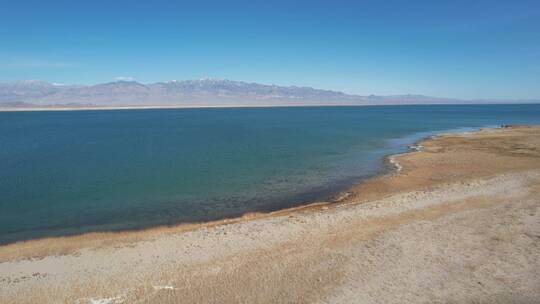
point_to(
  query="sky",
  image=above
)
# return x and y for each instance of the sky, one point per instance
(456, 49)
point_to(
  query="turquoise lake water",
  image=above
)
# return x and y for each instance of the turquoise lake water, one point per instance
(78, 171)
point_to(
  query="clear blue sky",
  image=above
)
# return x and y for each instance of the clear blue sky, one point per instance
(463, 49)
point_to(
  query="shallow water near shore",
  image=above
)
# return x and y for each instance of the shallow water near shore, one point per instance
(72, 172)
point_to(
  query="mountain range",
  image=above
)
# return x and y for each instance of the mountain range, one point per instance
(194, 93)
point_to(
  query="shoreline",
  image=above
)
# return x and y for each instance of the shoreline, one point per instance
(390, 167)
(460, 222)
(115, 108)
(112, 108)
(231, 106)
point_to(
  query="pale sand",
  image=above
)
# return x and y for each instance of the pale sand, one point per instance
(157, 107)
(459, 223)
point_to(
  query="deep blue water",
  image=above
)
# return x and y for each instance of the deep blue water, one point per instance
(78, 171)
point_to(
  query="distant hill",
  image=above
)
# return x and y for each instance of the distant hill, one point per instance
(205, 92)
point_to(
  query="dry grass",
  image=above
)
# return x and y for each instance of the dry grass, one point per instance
(450, 157)
(301, 270)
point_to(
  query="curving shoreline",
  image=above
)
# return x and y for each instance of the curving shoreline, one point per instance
(68, 244)
(459, 211)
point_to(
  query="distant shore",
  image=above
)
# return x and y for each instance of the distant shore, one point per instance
(459, 221)
(225, 106)
(97, 108)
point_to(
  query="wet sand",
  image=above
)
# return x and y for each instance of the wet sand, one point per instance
(458, 222)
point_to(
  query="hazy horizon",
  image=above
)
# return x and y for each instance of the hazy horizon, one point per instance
(201, 93)
(132, 80)
(259, 83)
(462, 49)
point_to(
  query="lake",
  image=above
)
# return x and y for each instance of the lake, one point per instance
(70, 172)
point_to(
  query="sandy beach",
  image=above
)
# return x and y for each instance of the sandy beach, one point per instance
(456, 222)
